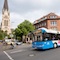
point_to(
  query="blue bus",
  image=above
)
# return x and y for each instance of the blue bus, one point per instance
(45, 38)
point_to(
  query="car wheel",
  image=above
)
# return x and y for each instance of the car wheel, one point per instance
(55, 45)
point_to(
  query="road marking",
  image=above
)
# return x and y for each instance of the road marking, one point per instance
(8, 55)
(31, 55)
(17, 51)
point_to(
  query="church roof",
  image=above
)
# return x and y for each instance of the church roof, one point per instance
(5, 5)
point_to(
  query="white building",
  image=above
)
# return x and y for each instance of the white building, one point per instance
(5, 25)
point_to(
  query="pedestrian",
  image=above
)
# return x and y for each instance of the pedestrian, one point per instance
(12, 46)
(53, 38)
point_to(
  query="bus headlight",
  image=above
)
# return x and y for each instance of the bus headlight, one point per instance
(41, 45)
(35, 43)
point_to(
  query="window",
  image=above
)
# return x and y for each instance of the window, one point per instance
(5, 23)
(53, 23)
(40, 25)
(44, 23)
(53, 16)
(54, 28)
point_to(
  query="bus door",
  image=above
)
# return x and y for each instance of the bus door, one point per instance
(47, 41)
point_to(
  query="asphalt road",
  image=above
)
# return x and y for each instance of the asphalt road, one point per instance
(25, 52)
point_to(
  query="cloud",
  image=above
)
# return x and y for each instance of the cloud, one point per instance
(15, 19)
(0, 17)
(24, 6)
(30, 9)
(34, 15)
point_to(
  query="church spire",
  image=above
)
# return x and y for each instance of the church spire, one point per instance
(6, 18)
(5, 7)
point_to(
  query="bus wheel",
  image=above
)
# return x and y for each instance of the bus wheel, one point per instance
(55, 45)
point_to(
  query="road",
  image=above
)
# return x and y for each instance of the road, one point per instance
(25, 52)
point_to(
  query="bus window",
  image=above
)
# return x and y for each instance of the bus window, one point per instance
(46, 37)
(38, 37)
(53, 38)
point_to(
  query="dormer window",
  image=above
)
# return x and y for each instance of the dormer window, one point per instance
(53, 16)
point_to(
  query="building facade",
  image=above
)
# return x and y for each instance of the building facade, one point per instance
(5, 25)
(50, 21)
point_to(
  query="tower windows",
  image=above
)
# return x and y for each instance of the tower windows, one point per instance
(5, 23)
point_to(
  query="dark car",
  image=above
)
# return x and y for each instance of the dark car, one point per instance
(18, 43)
(1, 40)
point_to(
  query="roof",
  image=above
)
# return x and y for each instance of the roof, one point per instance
(46, 17)
(49, 30)
(5, 5)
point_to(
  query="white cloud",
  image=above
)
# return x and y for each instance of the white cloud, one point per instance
(0, 18)
(31, 9)
(18, 1)
(34, 15)
(16, 19)
(24, 6)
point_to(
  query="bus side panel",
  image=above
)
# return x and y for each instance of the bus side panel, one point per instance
(37, 45)
(48, 44)
(56, 41)
(42, 45)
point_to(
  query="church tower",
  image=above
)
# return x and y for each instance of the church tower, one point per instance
(5, 26)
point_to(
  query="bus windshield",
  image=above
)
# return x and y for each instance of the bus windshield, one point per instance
(42, 37)
(38, 37)
(46, 36)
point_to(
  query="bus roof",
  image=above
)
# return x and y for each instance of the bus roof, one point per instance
(49, 30)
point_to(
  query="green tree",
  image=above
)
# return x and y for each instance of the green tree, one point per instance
(2, 34)
(24, 28)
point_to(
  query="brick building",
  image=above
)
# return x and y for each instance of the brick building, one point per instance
(50, 21)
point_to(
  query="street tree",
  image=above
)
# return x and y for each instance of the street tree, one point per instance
(24, 28)
(2, 34)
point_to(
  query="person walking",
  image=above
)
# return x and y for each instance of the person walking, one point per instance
(12, 46)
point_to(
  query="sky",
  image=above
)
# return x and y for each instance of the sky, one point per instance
(31, 10)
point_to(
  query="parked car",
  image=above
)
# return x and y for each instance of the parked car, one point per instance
(9, 41)
(1, 40)
(18, 43)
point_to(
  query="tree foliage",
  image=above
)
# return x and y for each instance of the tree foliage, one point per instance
(2, 34)
(24, 28)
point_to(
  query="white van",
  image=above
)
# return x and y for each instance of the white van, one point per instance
(9, 41)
